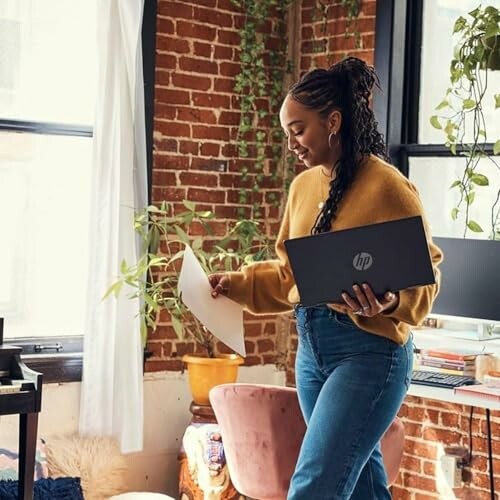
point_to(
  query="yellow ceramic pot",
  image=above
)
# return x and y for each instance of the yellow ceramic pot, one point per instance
(205, 373)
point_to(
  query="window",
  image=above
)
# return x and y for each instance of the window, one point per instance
(417, 36)
(48, 68)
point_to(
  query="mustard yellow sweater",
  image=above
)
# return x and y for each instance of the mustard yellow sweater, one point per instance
(379, 193)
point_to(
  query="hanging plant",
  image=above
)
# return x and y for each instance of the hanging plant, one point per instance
(352, 10)
(259, 79)
(476, 54)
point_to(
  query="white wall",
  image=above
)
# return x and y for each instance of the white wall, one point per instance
(166, 415)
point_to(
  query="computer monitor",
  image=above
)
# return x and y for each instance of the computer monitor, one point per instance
(470, 283)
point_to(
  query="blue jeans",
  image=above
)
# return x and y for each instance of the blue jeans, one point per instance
(350, 384)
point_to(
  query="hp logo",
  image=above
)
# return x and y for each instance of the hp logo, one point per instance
(362, 261)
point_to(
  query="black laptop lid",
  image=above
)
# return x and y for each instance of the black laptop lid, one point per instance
(390, 256)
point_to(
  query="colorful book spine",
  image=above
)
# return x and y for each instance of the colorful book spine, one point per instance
(450, 355)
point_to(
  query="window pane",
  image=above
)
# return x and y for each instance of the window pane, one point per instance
(437, 49)
(433, 178)
(46, 184)
(48, 60)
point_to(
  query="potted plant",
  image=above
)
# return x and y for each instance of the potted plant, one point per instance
(476, 53)
(165, 234)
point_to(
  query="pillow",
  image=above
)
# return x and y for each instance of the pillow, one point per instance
(64, 488)
(9, 463)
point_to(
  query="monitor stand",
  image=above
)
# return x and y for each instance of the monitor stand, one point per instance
(482, 332)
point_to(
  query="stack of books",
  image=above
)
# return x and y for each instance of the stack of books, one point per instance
(456, 362)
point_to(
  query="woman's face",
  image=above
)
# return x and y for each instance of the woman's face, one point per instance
(307, 134)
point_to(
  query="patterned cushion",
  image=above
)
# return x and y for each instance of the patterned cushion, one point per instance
(9, 462)
(63, 488)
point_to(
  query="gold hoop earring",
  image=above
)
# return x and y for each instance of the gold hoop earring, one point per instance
(332, 134)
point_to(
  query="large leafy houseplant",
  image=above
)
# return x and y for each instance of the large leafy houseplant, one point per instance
(154, 279)
(476, 53)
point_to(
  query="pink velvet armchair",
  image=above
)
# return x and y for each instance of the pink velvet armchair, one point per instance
(262, 429)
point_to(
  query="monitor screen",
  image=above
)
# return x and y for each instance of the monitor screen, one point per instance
(470, 279)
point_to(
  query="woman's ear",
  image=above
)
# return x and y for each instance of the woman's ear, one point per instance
(335, 121)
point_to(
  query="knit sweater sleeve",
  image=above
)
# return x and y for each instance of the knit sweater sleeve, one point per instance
(414, 303)
(263, 287)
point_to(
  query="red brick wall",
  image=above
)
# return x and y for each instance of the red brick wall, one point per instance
(195, 130)
(196, 118)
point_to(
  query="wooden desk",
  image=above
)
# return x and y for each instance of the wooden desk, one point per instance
(26, 403)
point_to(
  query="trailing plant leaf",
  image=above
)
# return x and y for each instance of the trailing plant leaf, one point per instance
(477, 41)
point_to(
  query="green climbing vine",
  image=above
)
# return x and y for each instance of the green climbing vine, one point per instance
(352, 10)
(260, 88)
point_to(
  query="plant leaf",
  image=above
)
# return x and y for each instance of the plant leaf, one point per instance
(435, 122)
(474, 226)
(469, 103)
(455, 184)
(454, 213)
(479, 179)
(496, 147)
(497, 101)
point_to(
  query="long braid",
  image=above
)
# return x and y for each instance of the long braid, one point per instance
(345, 86)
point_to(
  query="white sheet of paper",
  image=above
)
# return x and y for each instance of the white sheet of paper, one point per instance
(221, 316)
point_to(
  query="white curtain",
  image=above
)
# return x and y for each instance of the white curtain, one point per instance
(112, 390)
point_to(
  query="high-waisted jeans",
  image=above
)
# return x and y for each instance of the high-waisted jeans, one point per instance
(350, 384)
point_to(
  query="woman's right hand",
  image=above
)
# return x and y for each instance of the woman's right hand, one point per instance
(219, 284)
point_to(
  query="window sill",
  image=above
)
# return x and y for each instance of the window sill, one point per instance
(63, 365)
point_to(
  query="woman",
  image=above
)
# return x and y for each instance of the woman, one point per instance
(354, 359)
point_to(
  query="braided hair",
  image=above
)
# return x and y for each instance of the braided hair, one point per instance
(345, 86)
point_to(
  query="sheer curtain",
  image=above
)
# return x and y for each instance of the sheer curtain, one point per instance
(112, 390)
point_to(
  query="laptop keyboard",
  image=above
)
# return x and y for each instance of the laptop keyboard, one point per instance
(441, 379)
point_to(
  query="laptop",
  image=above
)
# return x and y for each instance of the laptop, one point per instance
(389, 256)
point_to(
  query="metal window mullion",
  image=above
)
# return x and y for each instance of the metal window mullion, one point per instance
(46, 128)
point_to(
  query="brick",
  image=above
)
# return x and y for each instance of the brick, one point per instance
(162, 178)
(189, 147)
(163, 365)
(210, 149)
(198, 179)
(162, 78)
(195, 30)
(172, 44)
(206, 3)
(252, 361)
(217, 133)
(202, 49)
(164, 111)
(265, 345)
(169, 193)
(172, 129)
(229, 69)
(164, 26)
(223, 52)
(226, 5)
(228, 37)
(190, 81)
(169, 96)
(249, 347)
(210, 16)
(170, 162)
(421, 483)
(208, 164)
(268, 359)
(198, 65)
(162, 144)
(229, 118)
(253, 329)
(206, 195)
(211, 100)
(175, 10)
(230, 212)
(194, 115)
(166, 61)
(224, 85)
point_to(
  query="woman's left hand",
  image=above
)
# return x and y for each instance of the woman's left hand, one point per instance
(365, 303)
